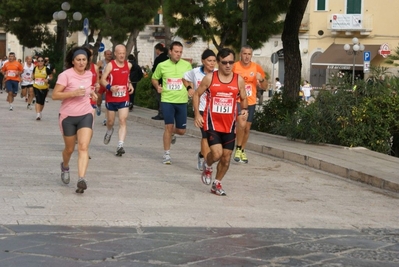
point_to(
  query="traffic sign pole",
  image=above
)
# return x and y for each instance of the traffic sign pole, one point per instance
(366, 61)
(86, 29)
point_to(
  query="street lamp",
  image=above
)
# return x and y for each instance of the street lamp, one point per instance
(62, 17)
(354, 50)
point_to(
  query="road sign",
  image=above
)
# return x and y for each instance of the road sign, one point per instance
(366, 56)
(274, 58)
(86, 26)
(366, 67)
(101, 48)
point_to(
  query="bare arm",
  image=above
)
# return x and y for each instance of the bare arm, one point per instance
(189, 85)
(59, 94)
(243, 97)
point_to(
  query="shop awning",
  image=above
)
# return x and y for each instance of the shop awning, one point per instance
(335, 57)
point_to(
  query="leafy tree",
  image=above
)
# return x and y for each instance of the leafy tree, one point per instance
(123, 20)
(221, 21)
(27, 19)
(118, 19)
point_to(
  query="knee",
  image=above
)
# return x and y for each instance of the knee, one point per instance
(180, 131)
(216, 155)
(83, 147)
(69, 150)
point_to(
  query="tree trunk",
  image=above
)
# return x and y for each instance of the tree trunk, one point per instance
(132, 42)
(292, 54)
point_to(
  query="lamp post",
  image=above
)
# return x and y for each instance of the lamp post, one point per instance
(354, 50)
(62, 17)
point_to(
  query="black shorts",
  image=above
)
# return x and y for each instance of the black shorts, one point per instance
(40, 95)
(227, 140)
(27, 86)
(71, 124)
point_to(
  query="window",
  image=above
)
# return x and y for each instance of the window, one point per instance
(321, 5)
(353, 6)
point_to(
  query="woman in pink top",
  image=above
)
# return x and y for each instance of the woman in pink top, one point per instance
(74, 88)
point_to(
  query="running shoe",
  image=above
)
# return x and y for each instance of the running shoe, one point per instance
(244, 158)
(104, 122)
(28, 106)
(11, 109)
(200, 162)
(237, 155)
(38, 117)
(98, 110)
(167, 159)
(65, 178)
(173, 139)
(82, 186)
(120, 151)
(206, 176)
(107, 137)
(217, 188)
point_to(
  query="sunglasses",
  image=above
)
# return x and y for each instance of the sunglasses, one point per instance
(40, 61)
(227, 62)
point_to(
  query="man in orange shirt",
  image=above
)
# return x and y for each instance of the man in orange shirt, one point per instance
(254, 76)
(12, 70)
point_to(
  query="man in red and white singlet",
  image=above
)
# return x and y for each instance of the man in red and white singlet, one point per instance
(222, 88)
(115, 78)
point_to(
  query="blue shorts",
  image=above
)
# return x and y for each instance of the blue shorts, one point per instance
(12, 86)
(175, 112)
(251, 112)
(115, 106)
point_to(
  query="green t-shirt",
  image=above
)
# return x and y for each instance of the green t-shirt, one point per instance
(173, 89)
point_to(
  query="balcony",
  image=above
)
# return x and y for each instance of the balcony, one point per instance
(350, 23)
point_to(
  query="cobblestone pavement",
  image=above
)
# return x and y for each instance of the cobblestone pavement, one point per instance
(138, 212)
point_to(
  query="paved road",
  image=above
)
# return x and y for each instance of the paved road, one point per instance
(138, 212)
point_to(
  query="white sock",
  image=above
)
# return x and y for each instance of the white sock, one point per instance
(167, 152)
(120, 144)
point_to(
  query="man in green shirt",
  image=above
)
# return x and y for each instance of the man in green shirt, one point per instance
(174, 96)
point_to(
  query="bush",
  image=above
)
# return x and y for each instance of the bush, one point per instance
(145, 94)
(366, 116)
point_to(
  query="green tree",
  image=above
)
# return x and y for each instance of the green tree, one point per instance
(220, 22)
(27, 20)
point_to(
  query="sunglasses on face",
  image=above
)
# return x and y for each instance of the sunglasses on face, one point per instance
(227, 62)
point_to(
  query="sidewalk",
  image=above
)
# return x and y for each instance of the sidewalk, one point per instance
(358, 164)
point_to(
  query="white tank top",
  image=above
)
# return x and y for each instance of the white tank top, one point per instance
(26, 76)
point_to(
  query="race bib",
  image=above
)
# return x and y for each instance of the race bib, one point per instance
(174, 84)
(40, 81)
(27, 78)
(121, 91)
(222, 105)
(11, 73)
(248, 89)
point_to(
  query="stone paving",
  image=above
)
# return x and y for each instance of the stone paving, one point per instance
(138, 212)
